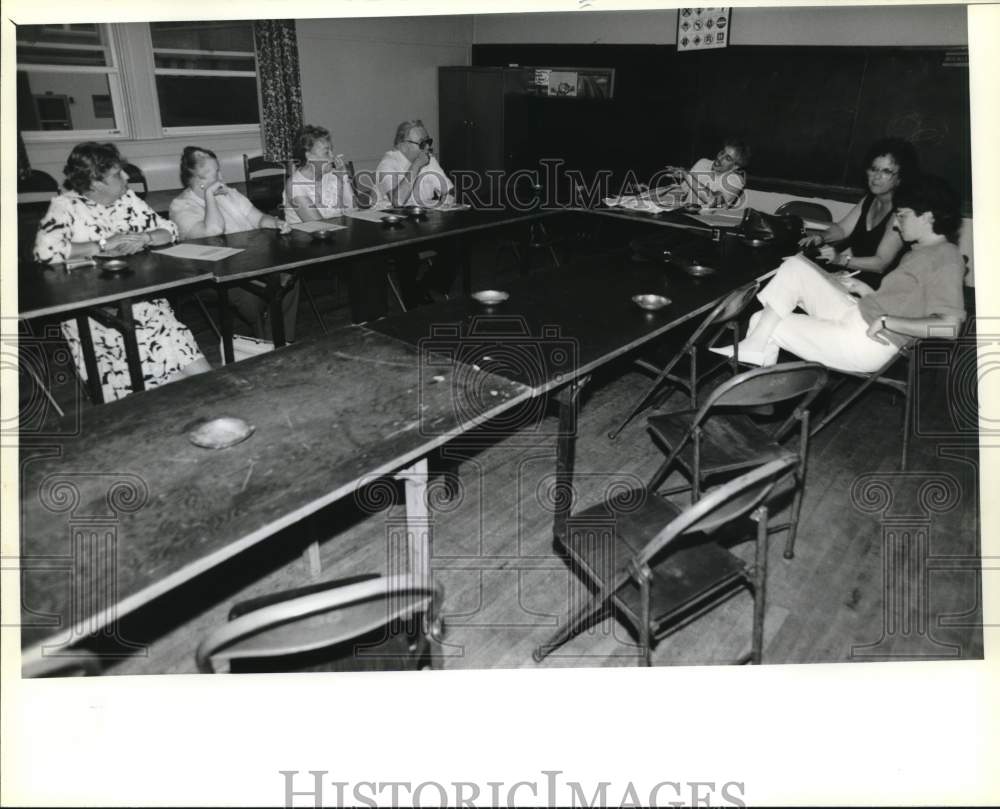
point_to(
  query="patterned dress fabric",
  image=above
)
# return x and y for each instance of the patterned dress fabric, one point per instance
(165, 344)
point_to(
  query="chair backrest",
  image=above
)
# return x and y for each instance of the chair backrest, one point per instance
(807, 210)
(732, 306)
(258, 166)
(35, 180)
(318, 620)
(265, 180)
(721, 505)
(770, 385)
(136, 180)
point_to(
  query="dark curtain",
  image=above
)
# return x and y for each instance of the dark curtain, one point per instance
(280, 85)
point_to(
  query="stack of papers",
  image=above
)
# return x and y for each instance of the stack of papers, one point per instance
(317, 226)
(641, 202)
(199, 252)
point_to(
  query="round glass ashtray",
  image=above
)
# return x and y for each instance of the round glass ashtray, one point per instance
(220, 433)
(112, 265)
(327, 235)
(490, 297)
(753, 241)
(698, 270)
(392, 219)
(650, 302)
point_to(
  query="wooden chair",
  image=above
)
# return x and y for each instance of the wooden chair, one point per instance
(724, 317)
(658, 565)
(720, 438)
(364, 622)
(807, 210)
(136, 180)
(265, 181)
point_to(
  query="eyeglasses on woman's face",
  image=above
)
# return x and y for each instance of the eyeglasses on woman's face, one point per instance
(425, 143)
(882, 171)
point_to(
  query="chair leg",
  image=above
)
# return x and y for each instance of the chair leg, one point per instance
(800, 483)
(908, 404)
(645, 638)
(312, 305)
(572, 627)
(44, 390)
(759, 588)
(394, 288)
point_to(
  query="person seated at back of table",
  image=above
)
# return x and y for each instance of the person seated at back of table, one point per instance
(922, 297)
(320, 187)
(209, 207)
(409, 174)
(97, 213)
(714, 183)
(866, 239)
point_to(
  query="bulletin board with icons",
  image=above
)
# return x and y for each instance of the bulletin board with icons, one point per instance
(699, 29)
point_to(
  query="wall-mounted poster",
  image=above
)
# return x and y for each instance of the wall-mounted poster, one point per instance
(572, 82)
(702, 28)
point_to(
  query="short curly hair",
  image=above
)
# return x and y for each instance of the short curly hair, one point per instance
(88, 162)
(305, 139)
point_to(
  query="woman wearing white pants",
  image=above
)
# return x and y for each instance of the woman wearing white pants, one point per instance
(922, 297)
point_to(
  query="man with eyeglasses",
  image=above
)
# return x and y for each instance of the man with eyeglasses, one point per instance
(409, 174)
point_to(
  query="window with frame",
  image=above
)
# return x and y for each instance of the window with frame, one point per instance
(68, 80)
(206, 74)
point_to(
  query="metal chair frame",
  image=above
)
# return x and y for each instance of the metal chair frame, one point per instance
(749, 391)
(234, 640)
(724, 317)
(737, 498)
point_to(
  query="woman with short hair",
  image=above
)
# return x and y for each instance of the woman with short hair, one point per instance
(209, 207)
(320, 187)
(97, 213)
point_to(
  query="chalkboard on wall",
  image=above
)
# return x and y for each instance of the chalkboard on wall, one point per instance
(809, 113)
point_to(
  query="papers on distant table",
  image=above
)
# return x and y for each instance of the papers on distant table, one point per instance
(371, 215)
(317, 226)
(642, 202)
(718, 217)
(199, 252)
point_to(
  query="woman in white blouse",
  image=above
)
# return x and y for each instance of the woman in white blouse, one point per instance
(209, 207)
(320, 186)
(97, 213)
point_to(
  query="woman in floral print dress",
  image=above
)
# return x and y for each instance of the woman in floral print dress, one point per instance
(98, 213)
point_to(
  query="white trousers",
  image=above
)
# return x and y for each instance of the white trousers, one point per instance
(833, 332)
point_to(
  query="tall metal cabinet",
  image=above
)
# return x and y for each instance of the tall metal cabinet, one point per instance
(477, 131)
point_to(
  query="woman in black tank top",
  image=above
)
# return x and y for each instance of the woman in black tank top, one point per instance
(865, 239)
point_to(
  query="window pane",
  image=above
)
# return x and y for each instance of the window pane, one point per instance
(203, 36)
(62, 101)
(196, 60)
(62, 45)
(207, 100)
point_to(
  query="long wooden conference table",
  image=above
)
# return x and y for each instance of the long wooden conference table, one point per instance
(54, 290)
(127, 508)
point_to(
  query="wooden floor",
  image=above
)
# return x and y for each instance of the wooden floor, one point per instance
(887, 563)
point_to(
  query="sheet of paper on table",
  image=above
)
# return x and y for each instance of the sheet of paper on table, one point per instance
(640, 202)
(718, 217)
(370, 215)
(199, 252)
(317, 226)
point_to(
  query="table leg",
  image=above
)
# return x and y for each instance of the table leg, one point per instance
(465, 265)
(526, 249)
(131, 346)
(568, 399)
(418, 523)
(225, 324)
(89, 358)
(277, 315)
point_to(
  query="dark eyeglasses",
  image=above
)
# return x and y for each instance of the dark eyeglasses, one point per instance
(426, 143)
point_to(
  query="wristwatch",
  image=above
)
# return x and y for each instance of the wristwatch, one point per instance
(882, 321)
(102, 244)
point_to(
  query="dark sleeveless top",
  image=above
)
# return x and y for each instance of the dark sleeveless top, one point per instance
(864, 242)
